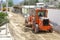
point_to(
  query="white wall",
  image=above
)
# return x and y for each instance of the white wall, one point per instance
(54, 16)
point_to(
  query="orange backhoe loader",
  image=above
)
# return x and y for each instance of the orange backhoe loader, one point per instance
(39, 21)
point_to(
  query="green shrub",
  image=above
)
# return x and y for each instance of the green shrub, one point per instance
(3, 18)
(59, 6)
(3, 14)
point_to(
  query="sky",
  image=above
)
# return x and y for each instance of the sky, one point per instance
(3, 0)
(15, 1)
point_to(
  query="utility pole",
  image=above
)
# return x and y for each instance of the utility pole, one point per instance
(1, 5)
(8, 16)
(6, 5)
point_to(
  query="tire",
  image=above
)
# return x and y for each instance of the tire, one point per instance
(51, 30)
(36, 30)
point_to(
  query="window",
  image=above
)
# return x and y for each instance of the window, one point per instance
(41, 14)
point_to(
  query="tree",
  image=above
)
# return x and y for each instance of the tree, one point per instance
(30, 2)
(25, 3)
(59, 5)
(46, 0)
(36, 1)
(10, 3)
(4, 4)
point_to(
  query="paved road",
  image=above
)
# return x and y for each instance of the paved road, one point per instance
(20, 32)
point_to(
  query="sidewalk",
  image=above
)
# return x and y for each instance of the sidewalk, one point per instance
(4, 35)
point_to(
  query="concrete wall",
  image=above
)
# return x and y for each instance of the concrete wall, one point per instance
(54, 16)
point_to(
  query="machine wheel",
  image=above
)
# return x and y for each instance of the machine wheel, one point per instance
(36, 28)
(51, 30)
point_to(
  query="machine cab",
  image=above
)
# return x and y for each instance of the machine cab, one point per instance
(41, 12)
(41, 15)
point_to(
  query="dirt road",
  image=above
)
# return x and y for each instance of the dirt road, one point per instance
(20, 32)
